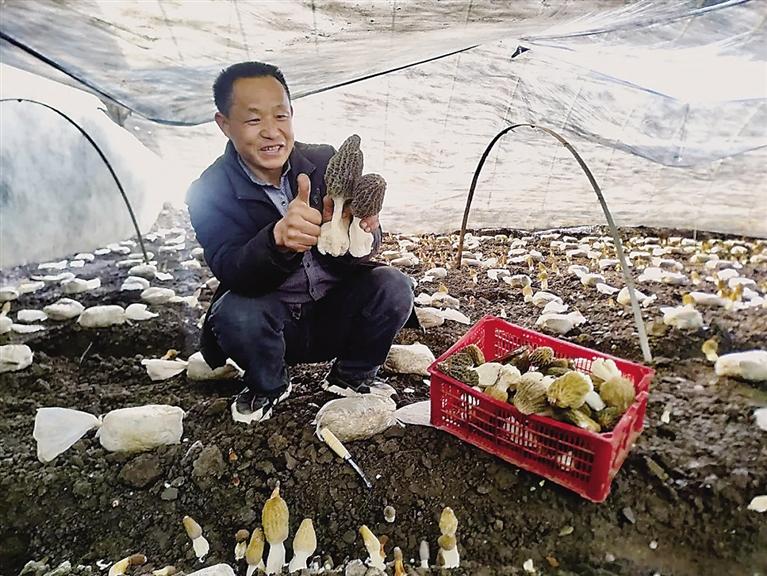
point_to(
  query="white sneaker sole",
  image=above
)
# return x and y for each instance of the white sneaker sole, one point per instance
(258, 415)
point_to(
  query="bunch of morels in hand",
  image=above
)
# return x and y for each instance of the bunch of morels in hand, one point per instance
(365, 195)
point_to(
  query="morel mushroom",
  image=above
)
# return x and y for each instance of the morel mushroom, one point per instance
(367, 200)
(448, 550)
(254, 553)
(194, 531)
(344, 169)
(275, 520)
(304, 544)
(373, 545)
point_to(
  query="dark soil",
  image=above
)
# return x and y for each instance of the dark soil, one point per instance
(677, 506)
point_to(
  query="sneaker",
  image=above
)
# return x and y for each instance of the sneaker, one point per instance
(250, 407)
(343, 387)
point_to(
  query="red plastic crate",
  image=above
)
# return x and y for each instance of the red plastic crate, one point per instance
(578, 459)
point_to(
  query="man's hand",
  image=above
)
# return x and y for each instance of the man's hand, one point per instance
(299, 229)
(368, 224)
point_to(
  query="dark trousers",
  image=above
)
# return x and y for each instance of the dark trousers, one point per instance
(356, 322)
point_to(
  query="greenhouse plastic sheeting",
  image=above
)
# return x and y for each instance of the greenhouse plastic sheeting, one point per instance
(665, 101)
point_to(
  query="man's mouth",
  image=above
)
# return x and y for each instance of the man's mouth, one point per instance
(270, 149)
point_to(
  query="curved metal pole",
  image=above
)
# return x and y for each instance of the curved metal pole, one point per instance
(643, 341)
(103, 157)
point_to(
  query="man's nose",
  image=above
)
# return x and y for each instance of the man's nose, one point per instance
(269, 129)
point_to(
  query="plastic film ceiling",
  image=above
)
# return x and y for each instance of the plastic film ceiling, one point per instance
(666, 101)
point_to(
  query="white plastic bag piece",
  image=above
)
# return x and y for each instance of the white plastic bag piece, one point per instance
(30, 316)
(63, 309)
(161, 369)
(141, 428)
(418, 414)
(683, 317)
(156, 295)
(542, 298)
(139, 312)
(101, 316)
(357, 417)
(429, 317)
(14, 357)
(57, 429)
(197, 369)
(751, 365)
(409, 359)
(80, 285)
(134, 283)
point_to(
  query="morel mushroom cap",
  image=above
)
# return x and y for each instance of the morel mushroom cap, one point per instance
(618, 393)
(368, 196)
(570, 390)
(531, 394)
(542, 356)
(274, 518)
(344, 168)
(448, 523)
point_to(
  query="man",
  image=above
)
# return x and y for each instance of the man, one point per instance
(257, 212)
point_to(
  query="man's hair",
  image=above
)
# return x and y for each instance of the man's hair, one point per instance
(223, 87)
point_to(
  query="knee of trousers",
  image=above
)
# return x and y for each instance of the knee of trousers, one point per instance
(238, 317)
(394, 289)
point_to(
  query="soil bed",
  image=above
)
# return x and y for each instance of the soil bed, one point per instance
(678, 505)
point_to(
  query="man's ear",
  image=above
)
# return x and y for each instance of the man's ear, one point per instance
(223, 123)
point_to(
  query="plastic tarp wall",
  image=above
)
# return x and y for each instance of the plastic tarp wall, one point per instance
(57, 195)
(665, 101)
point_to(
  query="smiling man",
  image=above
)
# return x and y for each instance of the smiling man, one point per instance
(257, 212)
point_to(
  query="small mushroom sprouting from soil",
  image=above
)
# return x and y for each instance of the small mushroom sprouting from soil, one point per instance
(569, 390)
(119, 568)
(618, 393)
(304, 545)
(710, 348)
(254, 553)
(194, 531)
(374, 547)
(399, 566)
(543, 276)
(343, 170)
(241, 543)
(527, 292)
(448, 548)
(275, 520)
(367, 200)
(390, 514)
(423, 554)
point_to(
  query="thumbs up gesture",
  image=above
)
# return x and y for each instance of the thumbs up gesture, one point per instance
(299, 229)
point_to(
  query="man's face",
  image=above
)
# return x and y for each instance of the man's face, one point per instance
(260, 125)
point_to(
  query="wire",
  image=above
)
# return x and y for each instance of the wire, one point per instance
(643, 341)
(103, 157)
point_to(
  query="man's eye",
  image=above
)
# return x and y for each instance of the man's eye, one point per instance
(254, 121)
(282, 116)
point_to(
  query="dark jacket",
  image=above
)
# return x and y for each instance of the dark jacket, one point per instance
(234, 221)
